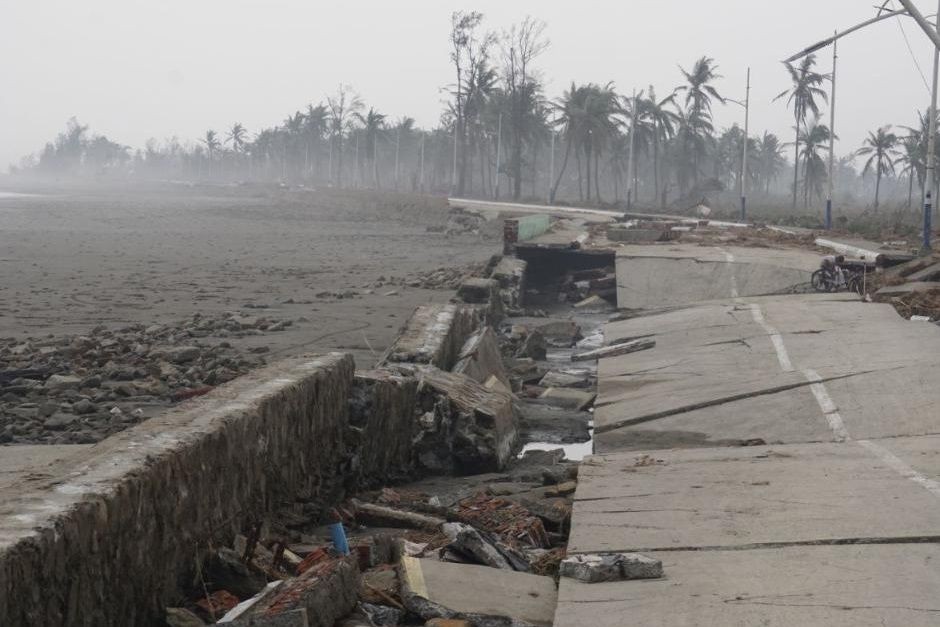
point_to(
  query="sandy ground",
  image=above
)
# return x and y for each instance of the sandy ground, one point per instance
(71, 259)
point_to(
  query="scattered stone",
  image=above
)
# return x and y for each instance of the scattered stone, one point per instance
(610, 567)
(533, 347)
(62, 382)
(566, 379)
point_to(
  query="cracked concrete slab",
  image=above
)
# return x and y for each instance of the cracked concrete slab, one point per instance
(809, 586)
(717, 374)
(746, 496)
(664, 275)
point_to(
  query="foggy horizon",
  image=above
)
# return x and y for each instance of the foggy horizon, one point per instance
(133, 72)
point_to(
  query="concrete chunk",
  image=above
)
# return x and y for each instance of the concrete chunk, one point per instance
(434, 334)
(595, 568)
(434, 589)
(480, 358)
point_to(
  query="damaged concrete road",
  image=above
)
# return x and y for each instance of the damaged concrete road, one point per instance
(731, 372)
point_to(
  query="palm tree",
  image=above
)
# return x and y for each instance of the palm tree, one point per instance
(316, 121)
(569, 113)
(211, 141)
(814, 138)
(770, 160)
(698, 102)
(912, 157)
(236, 136)
(663, 119)
(882, 146)
(373, 125)
(802, 96)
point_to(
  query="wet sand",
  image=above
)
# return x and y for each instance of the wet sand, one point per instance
(74, 258)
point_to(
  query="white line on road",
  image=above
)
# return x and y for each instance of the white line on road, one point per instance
(782, 356)
(734, 280)
(901, 468)
(829, 409)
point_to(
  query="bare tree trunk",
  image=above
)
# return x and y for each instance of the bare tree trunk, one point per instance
(877, 184)
(561, 173)
(796, 160)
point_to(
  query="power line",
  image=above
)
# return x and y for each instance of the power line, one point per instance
(911, 51)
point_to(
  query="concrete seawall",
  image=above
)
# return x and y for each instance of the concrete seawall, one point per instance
(99, 539)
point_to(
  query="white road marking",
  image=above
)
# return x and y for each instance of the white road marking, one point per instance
(896, 464)
(782, 356)
(734, 280)
(829, 409)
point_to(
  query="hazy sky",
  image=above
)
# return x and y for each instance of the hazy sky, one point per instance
(134, 69)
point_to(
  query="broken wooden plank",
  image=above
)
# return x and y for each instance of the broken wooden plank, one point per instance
(617, 349)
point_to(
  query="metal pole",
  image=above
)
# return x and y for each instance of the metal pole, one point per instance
(932, 140)
(551, 168)
(832, 133)
(747, 112)
(630, 161)
(922, 22)
(499, 148)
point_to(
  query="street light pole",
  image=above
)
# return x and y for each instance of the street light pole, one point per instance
(932, 146)
(747, 111)
(932, 32)
(832, 133)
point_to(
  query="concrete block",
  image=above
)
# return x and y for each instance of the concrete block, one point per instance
(568, 398)
(477, 291)
(381, 427)
(480, 358)
(434, 589)
(635, 236)
(471, 429)
(434, 335)
(610, 567)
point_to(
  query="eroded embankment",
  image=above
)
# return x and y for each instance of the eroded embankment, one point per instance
(115, 533)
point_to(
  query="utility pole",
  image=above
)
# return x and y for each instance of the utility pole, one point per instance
(932, 143)
(832, 133)
(499, 150)
(632, 148)
(747, 111)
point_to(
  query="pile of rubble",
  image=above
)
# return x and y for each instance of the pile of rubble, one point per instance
(400, 556)
(76, 389)
(912, 288)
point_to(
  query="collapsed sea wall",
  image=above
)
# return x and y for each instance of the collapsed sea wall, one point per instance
(111, 534)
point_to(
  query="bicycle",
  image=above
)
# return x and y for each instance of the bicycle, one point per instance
(839, 280)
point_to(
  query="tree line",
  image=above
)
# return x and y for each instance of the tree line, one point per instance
(501, 136)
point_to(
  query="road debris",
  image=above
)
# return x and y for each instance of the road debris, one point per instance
(610, 567)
